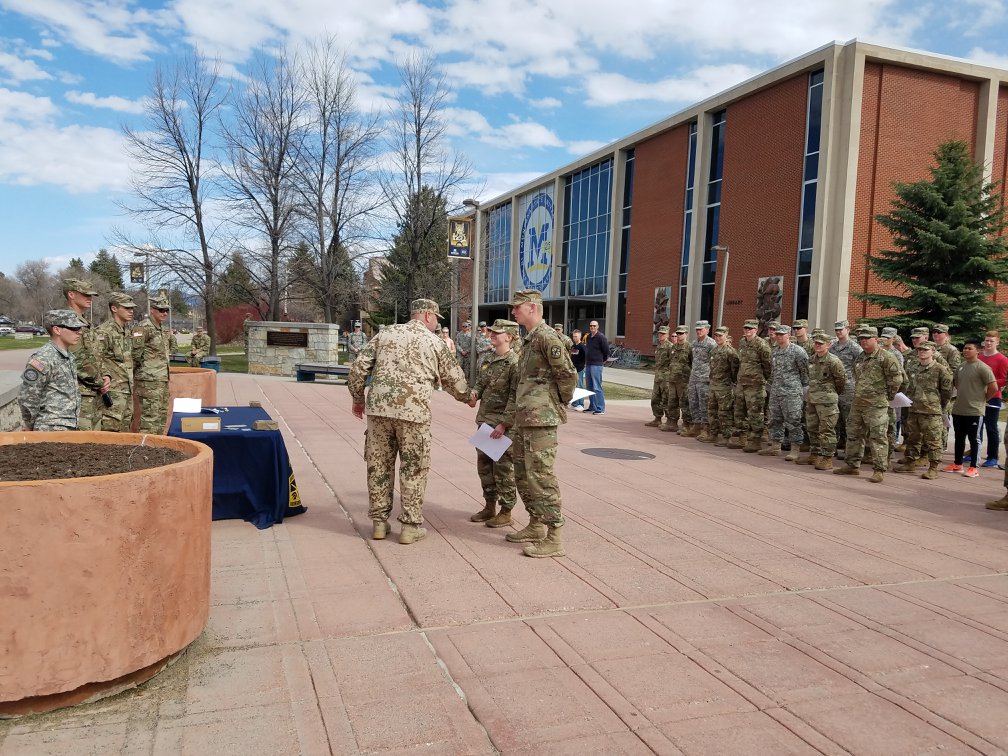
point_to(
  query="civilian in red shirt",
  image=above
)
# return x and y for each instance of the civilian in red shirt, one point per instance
(998, 364)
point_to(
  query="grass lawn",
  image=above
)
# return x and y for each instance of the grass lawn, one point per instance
(616, 391)
(9, 342)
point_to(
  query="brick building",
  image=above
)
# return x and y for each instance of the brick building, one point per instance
(758, 200)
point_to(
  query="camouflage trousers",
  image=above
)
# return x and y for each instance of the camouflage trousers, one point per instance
(534, 454)
(698, 391)
(678, 401)
(821, 420)
(749, 405)
(153, 397)
(924, 436)
(891, 429)
(785, 417)
(91, 410)
(844, 403)
(660, 397)
(118, 417)
(720, 404)
(387, 438)
(867, 424)
(497, 479)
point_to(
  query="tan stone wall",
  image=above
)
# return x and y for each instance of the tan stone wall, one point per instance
(323, 347)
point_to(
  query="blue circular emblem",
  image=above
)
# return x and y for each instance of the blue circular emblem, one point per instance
(535, 243)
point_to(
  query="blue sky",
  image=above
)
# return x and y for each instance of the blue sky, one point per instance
(536, 84)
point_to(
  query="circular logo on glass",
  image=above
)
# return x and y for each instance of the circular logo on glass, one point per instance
(535, 245)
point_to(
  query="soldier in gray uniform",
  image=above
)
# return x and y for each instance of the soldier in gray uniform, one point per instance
(356, 340)
(49, 397)
(699, 380)
(463, 345)
(846, 351)
(790, 377)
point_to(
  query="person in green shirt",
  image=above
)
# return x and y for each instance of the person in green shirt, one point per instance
(975, 384)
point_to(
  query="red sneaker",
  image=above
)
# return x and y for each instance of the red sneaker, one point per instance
(952, 468)
(971, 473)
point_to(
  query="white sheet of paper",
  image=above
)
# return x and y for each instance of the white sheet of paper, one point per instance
(900, 400)
(492, 447)
(182, 404)
(580, 393)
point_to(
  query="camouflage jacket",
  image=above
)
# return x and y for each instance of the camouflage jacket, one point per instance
(87, 360)
(724, 365)
(911, 364)
(483, 348)
(496, 382)
(49, 396)
(200, 346)
(755, 364)
(701, 359)
(680, 363)
(663, 361)
(877, 378)
(150, 359)
(567, 342)
(930, 389)
(953, 357)
(826, 379)
(546, 381)
(898, 355)
(463, 344)
(808, 345)
(790, 370)
(847, 353)
(404, 363)
(115, 344)
(356, 342)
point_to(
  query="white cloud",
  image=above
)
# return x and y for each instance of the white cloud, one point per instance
(607, 89)
(113, 102)
(24, 107)
(17, 69)
(545, 103)
(524, 134)
(987, 58)
(584, 146)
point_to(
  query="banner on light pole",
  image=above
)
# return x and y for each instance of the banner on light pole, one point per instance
(460, 238)
(136, 273)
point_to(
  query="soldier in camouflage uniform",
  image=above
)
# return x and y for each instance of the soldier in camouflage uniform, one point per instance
(877, 378)
(724, 365)
(911, 363)
(546, 380)
(800, 336)
(930, 390)
(755, 369)
(116, 340)
(199, 347)
(699, 380)
(953, 358)
(790, 376)
(848, 351)
(568, 344)
(464, 345)
(404, 363)
(91, 382)
(49, 396)
(356, 340)
(496, 382)
(680, 367)
(827, 380)
(660, 390)
(886, 336)
(482, 346)
(150, 368)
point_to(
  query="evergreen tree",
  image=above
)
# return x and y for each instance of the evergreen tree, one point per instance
(948, 253)
(107, 267)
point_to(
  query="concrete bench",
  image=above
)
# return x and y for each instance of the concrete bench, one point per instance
(306, 371)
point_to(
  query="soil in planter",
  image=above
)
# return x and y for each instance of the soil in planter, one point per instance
(46, 461)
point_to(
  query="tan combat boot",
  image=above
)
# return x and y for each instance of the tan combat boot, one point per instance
(737, 441)
(932, 472)
(499, 520)
(669, 427)
(534, 531)
(550, 546)
(792, 456)
(721, 440)
(484, 514)
(693, 431)
(654, 423)
(905, 466)
(753, 444)
(411, 534)
(704, 436)
(920, 463)
(379, 529)
(771, 451)
(808, 459)
(824, 463)
(998, 505)
(876, 477)
(847, 470)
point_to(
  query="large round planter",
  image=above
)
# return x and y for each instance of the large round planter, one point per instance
(103, 580)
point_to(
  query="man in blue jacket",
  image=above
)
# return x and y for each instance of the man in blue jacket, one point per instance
(596, 353)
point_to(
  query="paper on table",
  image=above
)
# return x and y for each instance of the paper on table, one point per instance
(900, 400)
(492, 447)
(181, 404)
(580, 393)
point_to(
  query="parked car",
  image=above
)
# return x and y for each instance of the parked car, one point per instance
(6, 330)
(31, 328)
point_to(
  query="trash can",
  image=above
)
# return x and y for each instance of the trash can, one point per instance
(211, 362)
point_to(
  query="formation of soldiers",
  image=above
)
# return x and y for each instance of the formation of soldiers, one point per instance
(817, 398)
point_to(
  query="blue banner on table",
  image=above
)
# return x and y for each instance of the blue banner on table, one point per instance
(252, 478)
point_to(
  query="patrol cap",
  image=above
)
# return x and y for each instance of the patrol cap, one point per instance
(702, 324)
(781, 330)
(888, 332)
(919, 331)
(681, 329)
(160, 303)
(356, 324)
(78, 285)
(558, 326)
(721, 330)
(664, 329)
(467, 324)
(426, 305)
(927, 345)
(482, 324)
(505, 326)
(867, 332)
(821, 332)
(526, 295)
(751, 324)
(121, 299)
(63, 318)
(840, 324)
(800, 324)
(819, 337)
(940, 328)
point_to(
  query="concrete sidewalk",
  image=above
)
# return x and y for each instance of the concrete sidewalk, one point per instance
(712, 602)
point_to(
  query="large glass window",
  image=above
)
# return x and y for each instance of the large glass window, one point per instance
(497, 269)
(806, 228)
(708, 278)
(587, 226)
(687, 236)
(624, 265)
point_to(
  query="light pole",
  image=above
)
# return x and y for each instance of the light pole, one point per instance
(474, 306)
(145, 256)
(718, 249)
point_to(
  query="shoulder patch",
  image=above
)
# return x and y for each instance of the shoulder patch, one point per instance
(555, 353)
(30, 374)
(36, 363)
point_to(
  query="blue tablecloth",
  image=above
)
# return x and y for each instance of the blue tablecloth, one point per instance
(252, 475)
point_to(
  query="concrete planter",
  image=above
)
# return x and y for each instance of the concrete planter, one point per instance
(104, 580)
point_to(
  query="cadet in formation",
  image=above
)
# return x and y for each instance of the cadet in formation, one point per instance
(90, 380)
(404, 363)
(463, 345)
(699, 380)
(150, 367)
(790, 376)
(680, 368)
(558, 327)
(116, 340)
(755, 369)
(356, 340)
(49, 396)
(847, 351)
(496, 382)
(724, 364)
(482, 346)
(827, 379)
(199, 347)
(930, 389)
(886, 338)
(947, 350)
(546, 380)
(911, 363)
(660, 390)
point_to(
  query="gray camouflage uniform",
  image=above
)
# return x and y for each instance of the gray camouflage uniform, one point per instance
(49, 396)
(790, 376)
(846, 353)
(699, 380)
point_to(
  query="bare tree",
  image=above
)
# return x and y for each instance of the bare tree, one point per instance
(39, 290)
(264, 143)
(336, 176)
(170, 179)
(423, 162)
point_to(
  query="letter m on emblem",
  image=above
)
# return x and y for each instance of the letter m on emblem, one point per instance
(536, 243)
